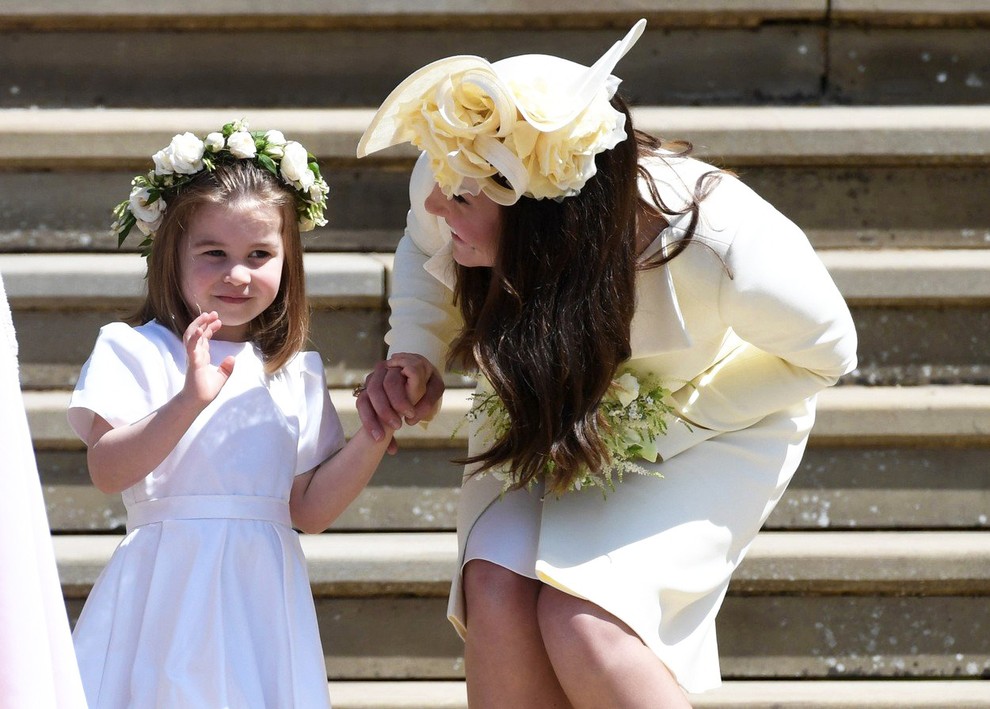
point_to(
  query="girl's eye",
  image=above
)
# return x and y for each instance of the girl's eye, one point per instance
(214, 252)
(260, 254)
(460, 199)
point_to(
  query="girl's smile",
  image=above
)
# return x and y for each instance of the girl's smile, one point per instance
(232, 263)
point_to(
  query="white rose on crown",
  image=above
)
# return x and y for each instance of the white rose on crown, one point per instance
(184, 155)
(318, 191)
(214, 142)
(275, 138)
(148, 216)
(241, 145)
(295, 166)
(275, 144)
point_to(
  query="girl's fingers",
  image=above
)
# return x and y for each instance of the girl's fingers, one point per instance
(369, 419)
(406, 386)
(411, 365)
(373, 405)
(213, 326)
(203, 325)
(382, 400)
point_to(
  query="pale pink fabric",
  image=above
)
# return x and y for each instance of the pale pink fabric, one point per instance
(37, 663)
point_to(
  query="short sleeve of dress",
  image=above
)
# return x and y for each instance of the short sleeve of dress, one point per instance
(320, 431)
(122, 381)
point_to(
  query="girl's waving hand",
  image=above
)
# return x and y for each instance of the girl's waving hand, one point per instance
(203, 380)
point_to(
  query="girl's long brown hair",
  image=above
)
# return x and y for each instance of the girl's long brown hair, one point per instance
(282, 329)
(549, 324)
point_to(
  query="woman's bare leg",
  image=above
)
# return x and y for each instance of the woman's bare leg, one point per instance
(599, 661)
(505, 661)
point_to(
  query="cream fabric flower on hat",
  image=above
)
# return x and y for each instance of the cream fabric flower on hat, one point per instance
(533, 122)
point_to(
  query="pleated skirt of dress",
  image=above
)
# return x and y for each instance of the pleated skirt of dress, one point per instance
(203, 614)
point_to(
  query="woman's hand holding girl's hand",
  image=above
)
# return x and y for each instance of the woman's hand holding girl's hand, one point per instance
(203, 381)
(407, 386)
(417, 371)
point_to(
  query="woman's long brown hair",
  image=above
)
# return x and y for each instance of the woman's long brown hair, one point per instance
(282, 329)
(549, 324)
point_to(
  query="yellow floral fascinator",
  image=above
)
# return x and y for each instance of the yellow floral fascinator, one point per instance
(534, 121)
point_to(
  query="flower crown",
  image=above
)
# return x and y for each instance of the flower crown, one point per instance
(525, 126)
(187, 156)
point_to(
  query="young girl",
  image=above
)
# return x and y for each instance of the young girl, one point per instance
(219, 433)
(552, 247)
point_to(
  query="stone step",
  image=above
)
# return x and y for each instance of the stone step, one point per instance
(850, 176)
(741, 135)
(61, 301)
(110, 281)
(356, 14)
(848, 605)
(879, 458)
(227, 14)
(718, 51)
(847, 415)
(815, 563)
(824, 694)
(836, 487)
(911, 13)
(922, 315)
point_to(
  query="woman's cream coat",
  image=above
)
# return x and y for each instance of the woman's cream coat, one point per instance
(745, 326)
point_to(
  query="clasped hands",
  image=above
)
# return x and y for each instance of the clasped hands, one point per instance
(404, 388)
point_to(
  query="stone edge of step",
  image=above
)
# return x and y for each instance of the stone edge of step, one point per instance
(52, 280)
(312, 14)
(821, 562)
(757, 694)
(847, 415)
(863, 276)
(309, 14)
(739, 135)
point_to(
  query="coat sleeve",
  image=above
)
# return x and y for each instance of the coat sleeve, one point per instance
(423, 318)
(797, 333)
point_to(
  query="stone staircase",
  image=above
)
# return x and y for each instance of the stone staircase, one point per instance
(867, 123)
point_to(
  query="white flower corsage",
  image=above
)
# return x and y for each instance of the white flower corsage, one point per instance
(635, 413)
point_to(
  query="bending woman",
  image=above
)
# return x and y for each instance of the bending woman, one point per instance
(558, 252)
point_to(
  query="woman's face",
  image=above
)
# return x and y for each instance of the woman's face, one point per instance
(475, 224)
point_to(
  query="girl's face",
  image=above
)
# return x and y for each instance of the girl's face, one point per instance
(231, 262)
(475, 224)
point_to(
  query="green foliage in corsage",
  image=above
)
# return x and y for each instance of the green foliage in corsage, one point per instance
(634, 414)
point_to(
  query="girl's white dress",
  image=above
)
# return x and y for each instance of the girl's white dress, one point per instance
(206, 602)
